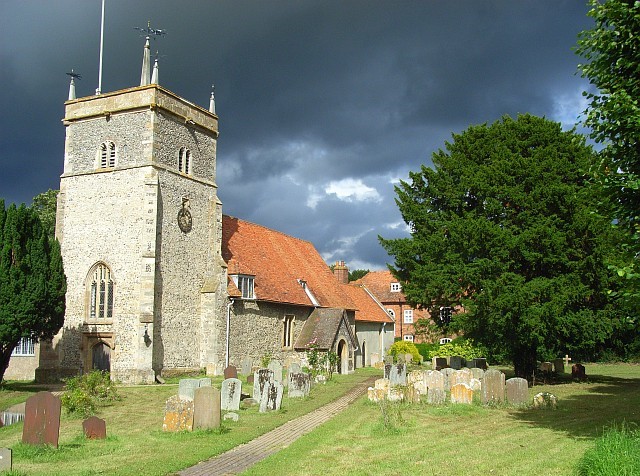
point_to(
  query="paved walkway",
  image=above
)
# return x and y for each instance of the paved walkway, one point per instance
(242, 457)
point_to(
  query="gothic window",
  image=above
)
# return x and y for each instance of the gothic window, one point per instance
(184, 160)
(107, 155)
(26, 347)
(100, 288)
(287, 332)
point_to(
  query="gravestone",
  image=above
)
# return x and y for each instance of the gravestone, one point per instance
(230, 372)
(388, 359)
(435, 379)
(493, 387)
(478, 363)
(260, 380)
(461, 393)
(387, 370)
(187, 386)
(250, 379)
(578, 371)
(477, 372)
(455, 362)
(295, 368)
(447, 372)
(233, 416)
(475, 384)
(206, 408)
(408, 358)
(558, 366)
(247, 363)
(178, 414)
(396, 394)
(271, 397)
(398, 374)
(230, 394)
(6, 461)
(460, 376)
(374, 358)
(436, 396)
(417, 379)
(299, 385)
(440, 363)
(546, 367)
(94, 428)
(376, 394)
(382, 384)
(545, 400)
(517, 391)
(42, 420)
(276, 367)
(400, 359)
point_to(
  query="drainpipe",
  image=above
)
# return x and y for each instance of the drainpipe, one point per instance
(226, 360)
(382, 340)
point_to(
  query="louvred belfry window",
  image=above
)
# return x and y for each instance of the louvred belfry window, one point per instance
(107, 155)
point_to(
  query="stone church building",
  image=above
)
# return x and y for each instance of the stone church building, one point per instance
(159, 281)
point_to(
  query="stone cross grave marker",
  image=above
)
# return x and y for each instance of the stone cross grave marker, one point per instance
(6, 462)
(230, 372)
(566, 359)
(299, 385)
(178, 414)
(231, 392)
(260, 380)
(42, 420)
(276, 367)
(94, 428)
(247, 363)
(517, 391)
(206, 408)
(271, 398)
(493, 387)
(461, 393)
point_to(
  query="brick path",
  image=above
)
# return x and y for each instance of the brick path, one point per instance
(242, 457)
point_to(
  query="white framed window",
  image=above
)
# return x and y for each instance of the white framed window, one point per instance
(445, 340)
(101, 292)
(107, 155)
(245, 285)
(395, 287)
(445, 314)
(408, 316)
(392, 313)
(287, 331)
(184, 160)
(408, 337)
(25, 348)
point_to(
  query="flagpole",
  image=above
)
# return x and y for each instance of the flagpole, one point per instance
(99, 90)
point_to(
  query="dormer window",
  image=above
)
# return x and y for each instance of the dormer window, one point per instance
(107, 155)
(396, 288)
(245, 285)
(184, 161)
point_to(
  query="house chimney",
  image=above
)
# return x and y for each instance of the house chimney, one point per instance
(341, 272)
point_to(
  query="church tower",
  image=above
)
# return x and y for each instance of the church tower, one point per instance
(140, 226)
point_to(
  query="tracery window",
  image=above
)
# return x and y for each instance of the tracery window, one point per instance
(107, 155)
(101, 293)
(25, 348)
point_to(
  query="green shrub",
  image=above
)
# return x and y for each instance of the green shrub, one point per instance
(402, 347)
(465, 348)
(83, 393)
(424, 349)
(617, 453)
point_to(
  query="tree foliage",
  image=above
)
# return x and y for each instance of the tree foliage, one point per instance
(612, 52)
(357, 274)
(45, 205)
(32, 281)
(503, 226)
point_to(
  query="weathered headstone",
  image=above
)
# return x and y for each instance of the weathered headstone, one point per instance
(418, 380)
(250, 379)
(230, 372)
(461, 376)
(230, 394)
(388, 359)
(408, 358)
(400, 359)
(558, 366)
(299, 385)
(435, 379)
(475, 384)
(272, 397)
(260, 380)
(545, 400)
(517, 391)
(436, 396)
(455, 362)
(178, 414)
(187, 386)
(276, 367)
(42, 419)
(546, 367)
(376, 394)
(477, 372)
(382, 384)
(233, 416)
(461, 393)
(206, 408)
(479, 363)
(6, 461)
(493, 387)
(440, 363)
(578, 371)
(398, 374)
(94, 428)
(374, 358)
(387, 370)
(447, 372)
(246, 366)
(294, 368)
(396, 394)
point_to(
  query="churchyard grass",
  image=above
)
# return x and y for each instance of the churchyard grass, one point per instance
(136, 444)
(469, 439)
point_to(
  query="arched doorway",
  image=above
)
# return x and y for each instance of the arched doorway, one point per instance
(343, 353)
(364, 354)
(101, 357)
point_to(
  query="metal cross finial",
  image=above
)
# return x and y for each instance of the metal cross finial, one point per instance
(151, 32)
(74, 75)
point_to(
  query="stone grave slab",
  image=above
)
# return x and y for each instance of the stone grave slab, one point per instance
(545, 400)
(382, 384)
(396, 394)
(578, 371)
(299, 385)
(418, 379)
(398, 374)
(461, 393)
(558, 366)
(477, 372)
(6, 461)
(276, 367)
(42, 419)
(261, 378)
(455, 362)
(178, 414)
(461, 376)
(447, 372)
(408, 358)
(247, 363)
(206, 408)
(517, 391)
(493, 387)
(272, 397)
(376, 394)
(374, 358)
(436, 396)
(231, 372)
(440, 363)
(435, 379)
(475, 384)
(94, 428)
(230, 394)
(187, 386)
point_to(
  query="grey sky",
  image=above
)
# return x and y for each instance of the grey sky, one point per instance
(323, 105)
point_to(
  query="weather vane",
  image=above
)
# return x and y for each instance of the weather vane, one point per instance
(74, 75)
(151, 32)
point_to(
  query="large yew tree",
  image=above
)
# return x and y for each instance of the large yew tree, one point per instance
(32, 281)
(503, 225)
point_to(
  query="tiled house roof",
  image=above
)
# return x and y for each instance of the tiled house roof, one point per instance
(379, 283)
(321, 329)
(368, 309)
(278, 262)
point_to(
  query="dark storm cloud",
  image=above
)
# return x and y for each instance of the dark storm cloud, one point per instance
(322, 104)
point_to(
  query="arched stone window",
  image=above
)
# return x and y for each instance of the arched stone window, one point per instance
(107, 155)
(184, 160)
(100, 289)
